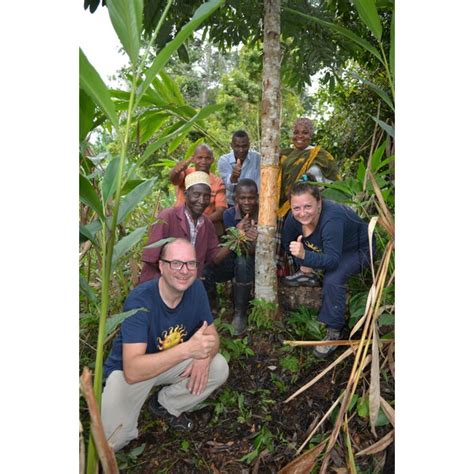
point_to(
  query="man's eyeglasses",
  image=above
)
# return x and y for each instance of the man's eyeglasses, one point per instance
(178, 264)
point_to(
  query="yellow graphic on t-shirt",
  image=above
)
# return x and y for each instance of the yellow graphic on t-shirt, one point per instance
(312, 247)
(172, 337)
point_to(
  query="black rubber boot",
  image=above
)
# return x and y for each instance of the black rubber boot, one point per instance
(212, 296)
(241, 303)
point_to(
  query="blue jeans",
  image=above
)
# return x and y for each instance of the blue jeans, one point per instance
(242, 269)
(334, 287)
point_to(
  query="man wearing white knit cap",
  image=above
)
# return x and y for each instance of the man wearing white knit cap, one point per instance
(189, 222)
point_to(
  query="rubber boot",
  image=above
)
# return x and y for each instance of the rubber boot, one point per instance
(241, 303)
(212, 296)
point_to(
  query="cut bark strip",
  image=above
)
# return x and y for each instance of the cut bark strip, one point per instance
(380, 445)
(105, 452)
(265, 264)
(340, 342)
(304, 463)
(344, 355)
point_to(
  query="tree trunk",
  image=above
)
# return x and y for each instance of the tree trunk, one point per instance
(265, 264)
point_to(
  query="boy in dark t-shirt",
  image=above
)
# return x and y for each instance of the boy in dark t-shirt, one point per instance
(171, 340)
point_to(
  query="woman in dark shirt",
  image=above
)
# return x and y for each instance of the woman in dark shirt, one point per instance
(323, 235)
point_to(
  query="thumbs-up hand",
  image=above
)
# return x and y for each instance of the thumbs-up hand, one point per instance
(297, 248)
(201, 344)
(234, 177)
(252, 232)
(244, 224)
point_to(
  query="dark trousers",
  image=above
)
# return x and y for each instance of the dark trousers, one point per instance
(334, 287)
(241, 268)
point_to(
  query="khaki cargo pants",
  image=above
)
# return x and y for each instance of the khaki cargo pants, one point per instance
(122, 402)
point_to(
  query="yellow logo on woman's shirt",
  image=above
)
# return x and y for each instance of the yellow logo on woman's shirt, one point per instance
(312, 247)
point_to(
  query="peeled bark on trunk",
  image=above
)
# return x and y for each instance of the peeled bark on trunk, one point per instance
(265, 263)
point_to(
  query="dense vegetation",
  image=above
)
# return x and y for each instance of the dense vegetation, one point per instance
(171, 102)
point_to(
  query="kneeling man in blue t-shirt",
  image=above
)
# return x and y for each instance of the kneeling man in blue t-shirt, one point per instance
(171, 341)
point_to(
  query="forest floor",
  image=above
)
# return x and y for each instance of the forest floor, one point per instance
(246, 427)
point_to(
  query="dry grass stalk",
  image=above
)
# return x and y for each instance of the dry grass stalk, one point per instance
(86, 246)
(323, 419)
(345, 354)
(106, 455)
(361, 353)
(391, 359)
(360, 323)
(388, 410)
(380, 445)
(374, 388)
(340, 342)
(350, 452)
(304, 463)
(386, 215)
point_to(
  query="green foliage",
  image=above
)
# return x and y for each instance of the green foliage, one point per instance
(236, 241)
(128, 460)
(127, 18)
(302, 324)
(112, 212)
(261, 314)
(290, 363)
(231, 348)
(263, 439)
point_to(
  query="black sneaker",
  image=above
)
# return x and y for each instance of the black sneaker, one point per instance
(331, 335)
(179, 423)
(301, 279)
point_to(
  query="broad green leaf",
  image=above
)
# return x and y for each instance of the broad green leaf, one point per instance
(126, 243)
(86, 114)
(201, 115)
(380, 92)
(341, 31)
(117, 319)
(167, 135)
(353, 402)
(203, 12)
(361, 171)
(382, 419)
(127, 18)
(87, 290)
(386, 319)
(109, 183)
(377, 156)
(133, 198)
(93, 85)
(192, 148)
(90, 230)
(150, 122)
(89, 197)
(369, 15)
(384, 126)
(172, 88)
(363, 407)
(383, 163)
(159, 243)
(86, 234)
(131, 184)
